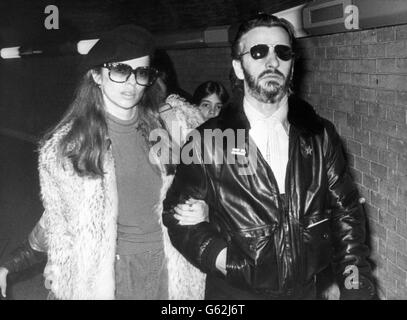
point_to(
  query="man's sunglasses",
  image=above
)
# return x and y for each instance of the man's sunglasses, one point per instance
(120, 73)
(259, 51)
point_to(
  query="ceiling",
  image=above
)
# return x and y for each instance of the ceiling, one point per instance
(22, 21)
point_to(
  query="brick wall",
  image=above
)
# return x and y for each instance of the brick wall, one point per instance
(358, 80)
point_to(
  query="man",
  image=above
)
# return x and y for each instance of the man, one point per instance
(271, 231)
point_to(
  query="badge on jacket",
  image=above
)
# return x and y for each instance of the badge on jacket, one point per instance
(306, 150)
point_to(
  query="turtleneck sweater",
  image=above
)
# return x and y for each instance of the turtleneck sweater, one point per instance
(138, 188)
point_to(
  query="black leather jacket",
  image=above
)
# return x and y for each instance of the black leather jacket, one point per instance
(272, 251)
(30, 252)
(23, 258)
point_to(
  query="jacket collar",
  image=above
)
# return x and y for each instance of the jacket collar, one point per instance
(301, 115)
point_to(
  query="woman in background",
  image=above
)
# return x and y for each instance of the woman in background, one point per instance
(210, 97)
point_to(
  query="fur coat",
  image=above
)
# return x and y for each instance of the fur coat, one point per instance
(185, 281)
(78, 228)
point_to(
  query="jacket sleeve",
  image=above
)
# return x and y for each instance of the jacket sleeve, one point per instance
(29, 253)
(200, 243)
(34, 249)
(348, 224)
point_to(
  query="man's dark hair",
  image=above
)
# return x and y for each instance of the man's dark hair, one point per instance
(261, 20)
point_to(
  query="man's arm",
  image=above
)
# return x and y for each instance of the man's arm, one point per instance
(348, 224)
(200, 243)
(30, 252)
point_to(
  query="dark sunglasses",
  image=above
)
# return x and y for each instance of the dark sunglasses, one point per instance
(120, 73)
(259, 51)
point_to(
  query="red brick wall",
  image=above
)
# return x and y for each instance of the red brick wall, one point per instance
(358, 80)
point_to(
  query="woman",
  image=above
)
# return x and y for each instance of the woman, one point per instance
(101, 228)
(210, 97)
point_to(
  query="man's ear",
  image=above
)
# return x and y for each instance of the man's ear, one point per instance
(97, 77)
(237, 67)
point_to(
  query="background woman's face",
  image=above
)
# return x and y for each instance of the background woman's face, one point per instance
(125, 95)
(210, 106)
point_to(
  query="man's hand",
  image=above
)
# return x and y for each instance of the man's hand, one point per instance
(3, 281)
(221, 261)
(192, 212)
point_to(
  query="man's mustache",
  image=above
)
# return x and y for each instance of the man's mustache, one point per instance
(271, 72)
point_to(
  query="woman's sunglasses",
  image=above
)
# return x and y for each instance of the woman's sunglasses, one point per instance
(120, 73)
(259, 51)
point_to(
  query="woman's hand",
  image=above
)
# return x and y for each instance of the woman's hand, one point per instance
(192, 212)
(3, 281)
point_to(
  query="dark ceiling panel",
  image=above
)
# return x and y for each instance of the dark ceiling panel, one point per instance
(22, 21)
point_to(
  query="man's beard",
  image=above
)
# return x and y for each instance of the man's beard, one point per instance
(270, 90)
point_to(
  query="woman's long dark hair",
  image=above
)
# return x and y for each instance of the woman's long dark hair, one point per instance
(87, 141)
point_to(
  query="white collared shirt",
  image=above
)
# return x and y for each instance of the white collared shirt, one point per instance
(271, 137)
